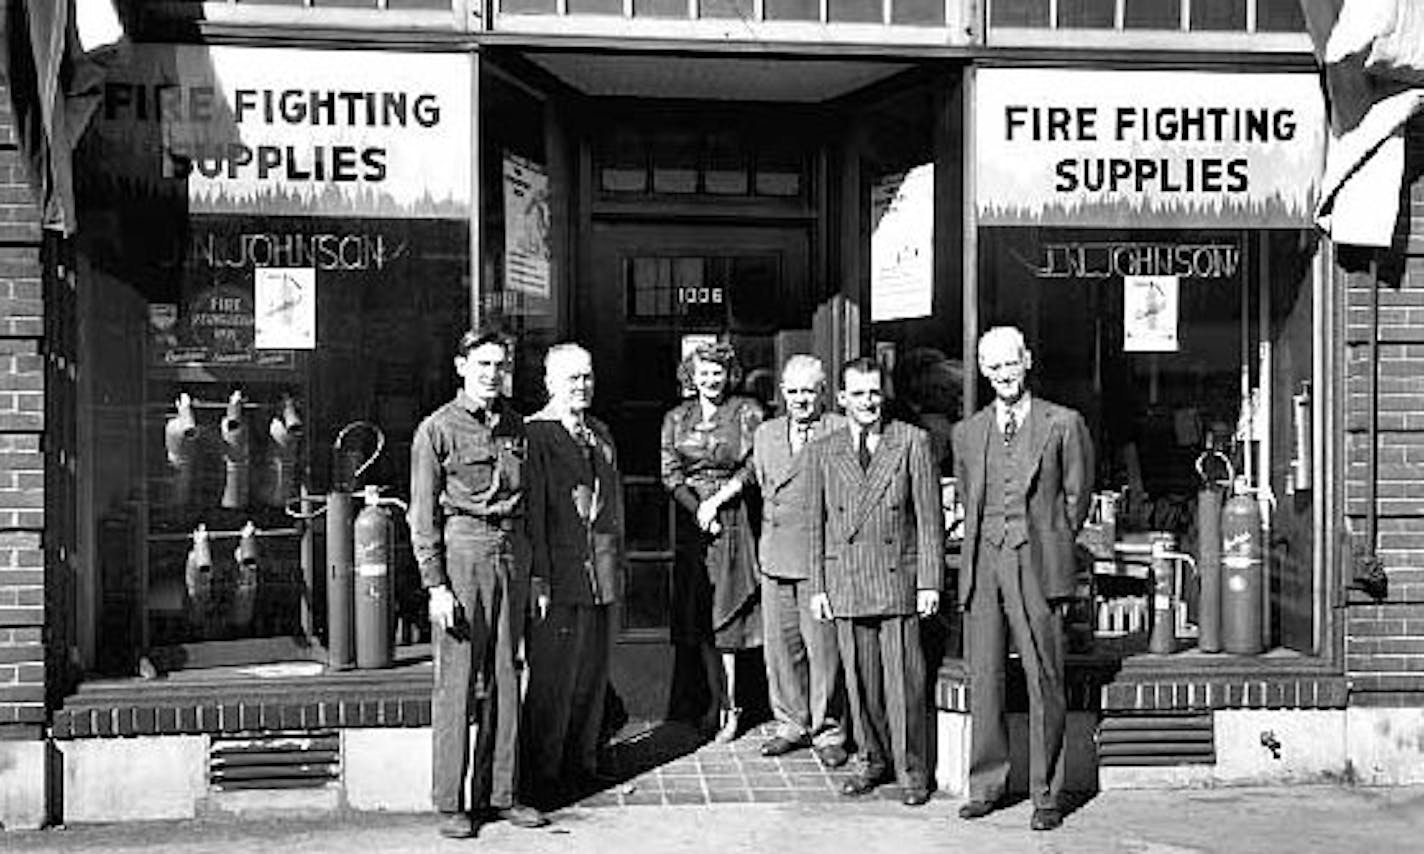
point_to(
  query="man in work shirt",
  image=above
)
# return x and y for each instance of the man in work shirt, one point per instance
(466, 501)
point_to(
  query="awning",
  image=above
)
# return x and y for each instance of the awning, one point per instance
(1372, 52)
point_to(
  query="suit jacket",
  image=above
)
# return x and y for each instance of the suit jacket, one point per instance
(779, 474)
(1059, 478)
(876, 535)
(574, 511)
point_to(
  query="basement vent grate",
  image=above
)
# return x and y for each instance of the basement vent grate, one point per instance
(1137, 740)
(275, 761)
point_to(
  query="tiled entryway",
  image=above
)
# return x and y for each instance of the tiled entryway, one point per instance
(670, 763)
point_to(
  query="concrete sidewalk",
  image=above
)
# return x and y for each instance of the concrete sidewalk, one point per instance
(1250, 821)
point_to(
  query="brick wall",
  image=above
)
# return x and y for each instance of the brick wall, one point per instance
(1384, 643)
(23, 655)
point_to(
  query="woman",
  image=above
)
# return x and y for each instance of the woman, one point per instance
(706, 443)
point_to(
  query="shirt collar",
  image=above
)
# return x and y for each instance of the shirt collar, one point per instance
(492, 412)
(1020, 408)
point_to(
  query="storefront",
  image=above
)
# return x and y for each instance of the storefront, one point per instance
(282, 233)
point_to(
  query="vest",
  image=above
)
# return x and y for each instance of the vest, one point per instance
(1005, 521)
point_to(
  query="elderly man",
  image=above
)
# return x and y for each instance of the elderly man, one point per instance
(1025, 468)
(877, 559)
(466, 503)
(574, 515)
(803, 669)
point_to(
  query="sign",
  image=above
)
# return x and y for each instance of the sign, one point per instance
(260, 130)
(1149, 314)
(285, 300)
(902, 245)
(526, 226)
(1151, 149)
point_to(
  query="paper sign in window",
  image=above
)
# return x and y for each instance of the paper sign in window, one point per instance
(285, 306)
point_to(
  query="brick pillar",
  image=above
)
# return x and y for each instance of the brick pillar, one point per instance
(1384, 642)
(25, 668)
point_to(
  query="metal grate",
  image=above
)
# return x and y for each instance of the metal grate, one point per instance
(1137, 740)
(275, 761)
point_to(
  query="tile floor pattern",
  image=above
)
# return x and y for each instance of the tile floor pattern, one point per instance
(683, 768)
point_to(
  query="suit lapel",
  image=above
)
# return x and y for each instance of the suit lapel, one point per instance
(884, 463)
(842, 453)
(780, 462)
(1039, 430)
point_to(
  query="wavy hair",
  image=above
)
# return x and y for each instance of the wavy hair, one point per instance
(720, 353)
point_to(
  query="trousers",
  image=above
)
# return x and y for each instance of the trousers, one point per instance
(803, 665)
(885, 678)
(1007, 591)
(489, 575)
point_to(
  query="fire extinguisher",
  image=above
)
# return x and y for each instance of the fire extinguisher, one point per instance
(374, 590)
(236, 450)
(198, 580)
(1167, 585)
(1242, 572)
(180, 441)
(244, 594)
(1209, 551)
(339, 508)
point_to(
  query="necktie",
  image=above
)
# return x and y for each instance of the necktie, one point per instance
(862, 450)
(800, 435)
(1011, 426)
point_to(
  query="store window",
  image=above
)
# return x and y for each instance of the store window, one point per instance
(1156, 252)
(274, 269)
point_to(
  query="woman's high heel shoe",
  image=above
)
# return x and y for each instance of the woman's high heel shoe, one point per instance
(731, 725)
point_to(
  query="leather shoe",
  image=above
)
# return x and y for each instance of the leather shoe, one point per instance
(1046, 818)
(780, 746)
(832, 755)
(523, 816)
(976, 809)
(456, 825)
(859, 785)
(915, 797)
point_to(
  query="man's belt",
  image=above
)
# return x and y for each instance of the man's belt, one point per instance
(503, 523)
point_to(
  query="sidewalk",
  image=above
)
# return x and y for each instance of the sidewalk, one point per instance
(1298, 820)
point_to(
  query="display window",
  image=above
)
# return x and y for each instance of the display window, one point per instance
(274, 258)
(1155, 250)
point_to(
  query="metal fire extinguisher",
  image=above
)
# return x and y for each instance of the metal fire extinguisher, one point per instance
(1167, 584)
(1242, 572)
(339, 508)
(374, 589)
(1209, 551)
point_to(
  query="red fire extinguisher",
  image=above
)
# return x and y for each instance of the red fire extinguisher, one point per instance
(374, 589)
(1243, 585)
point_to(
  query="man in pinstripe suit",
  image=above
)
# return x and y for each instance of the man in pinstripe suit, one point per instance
(877, 558)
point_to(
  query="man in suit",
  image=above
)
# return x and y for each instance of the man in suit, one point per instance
(877, 558)
(803, 665)
(574, 515)
(1025, 470)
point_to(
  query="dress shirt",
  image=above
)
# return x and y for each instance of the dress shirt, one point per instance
(1020, 409)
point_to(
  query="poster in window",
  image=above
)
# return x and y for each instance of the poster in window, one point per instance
(1149, 314)
(902, 245)
(526, 227)
(285, 310)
